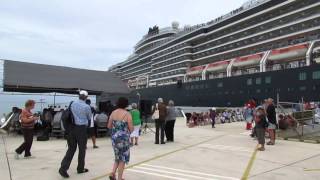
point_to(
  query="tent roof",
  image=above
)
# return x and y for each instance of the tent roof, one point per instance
(38, 78)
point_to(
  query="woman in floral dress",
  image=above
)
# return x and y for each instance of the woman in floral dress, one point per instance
(121, 126)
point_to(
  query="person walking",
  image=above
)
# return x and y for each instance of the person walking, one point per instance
(161, 109)
(135, 113)
(272, 118)
(260, 125)
(92, 126)
(27, 120)
(120, 123)
(170, 121)
(213, 117)
(78, 135)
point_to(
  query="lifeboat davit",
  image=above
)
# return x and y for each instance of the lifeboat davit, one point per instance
(289, 53)
(250, 60)
(218, 66)
(197, 70)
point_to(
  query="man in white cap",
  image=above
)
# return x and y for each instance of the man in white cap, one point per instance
(77, 135)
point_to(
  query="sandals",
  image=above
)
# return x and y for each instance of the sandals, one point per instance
(112, 177)
(261, 149)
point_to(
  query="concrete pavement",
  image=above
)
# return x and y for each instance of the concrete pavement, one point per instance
(197, 153)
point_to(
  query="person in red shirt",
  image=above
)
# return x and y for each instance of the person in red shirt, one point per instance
(27, 120)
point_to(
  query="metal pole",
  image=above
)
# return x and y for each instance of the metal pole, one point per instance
(54, 99)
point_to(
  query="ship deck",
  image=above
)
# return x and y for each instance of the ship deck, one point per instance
(226, 152)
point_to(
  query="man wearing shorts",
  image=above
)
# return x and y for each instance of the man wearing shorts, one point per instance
(271, 114)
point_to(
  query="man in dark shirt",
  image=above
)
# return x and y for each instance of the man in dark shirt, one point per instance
(272, 118)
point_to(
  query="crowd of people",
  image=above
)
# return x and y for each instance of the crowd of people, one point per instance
(125, 126)
(79, 123)
(213, 116)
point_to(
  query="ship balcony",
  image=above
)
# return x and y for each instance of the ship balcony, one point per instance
(286, 65)
(246, 70)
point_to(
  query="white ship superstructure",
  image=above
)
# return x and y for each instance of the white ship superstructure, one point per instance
(260, 36)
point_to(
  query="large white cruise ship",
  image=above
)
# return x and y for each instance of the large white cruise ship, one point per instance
(260, 37)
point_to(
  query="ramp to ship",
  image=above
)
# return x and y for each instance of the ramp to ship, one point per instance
(39, 78)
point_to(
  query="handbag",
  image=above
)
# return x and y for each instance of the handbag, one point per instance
(155, 114)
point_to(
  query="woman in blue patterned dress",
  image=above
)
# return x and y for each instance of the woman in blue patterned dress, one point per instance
(121, 126)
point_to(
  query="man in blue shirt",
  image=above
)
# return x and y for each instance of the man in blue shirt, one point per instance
(78, 135)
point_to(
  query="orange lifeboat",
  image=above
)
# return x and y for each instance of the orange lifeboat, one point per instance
(289, 53)
(218, 66)
(197, 70)
(250, 60)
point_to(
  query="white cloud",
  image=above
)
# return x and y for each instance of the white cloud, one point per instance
(92, 34)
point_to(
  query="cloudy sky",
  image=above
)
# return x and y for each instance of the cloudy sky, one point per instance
(92, 34)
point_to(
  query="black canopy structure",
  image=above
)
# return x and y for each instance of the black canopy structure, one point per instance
(39, 78)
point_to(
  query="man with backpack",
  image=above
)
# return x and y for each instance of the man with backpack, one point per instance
(76, 121)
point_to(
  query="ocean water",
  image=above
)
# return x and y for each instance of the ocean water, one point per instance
(7, 101)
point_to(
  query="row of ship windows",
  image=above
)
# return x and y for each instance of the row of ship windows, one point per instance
(161, 53)
(270, 35)
(220, 84)
(178, 46)
(270, 46)
(260, 18)
(265, 90)
(183, 51)
(150, 46)
(303, 76)
(261, 48)
(264, 47)
(137, 68)
(169, 73)
(302, 26)
(248, 23)
(298, 16)
(178, 59)
(136, 74)
(260, 28)
(257, 91)
(175, 66)
(258, 81)
(239, 44)
(243, 25)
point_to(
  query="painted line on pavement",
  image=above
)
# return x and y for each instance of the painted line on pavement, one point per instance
(250, 164)
(172, 173)
(189, 172)
(225, 148)
(160, 156)
(156, 174)
(311, 169)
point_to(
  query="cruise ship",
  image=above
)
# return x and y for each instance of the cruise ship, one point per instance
(265, 48)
